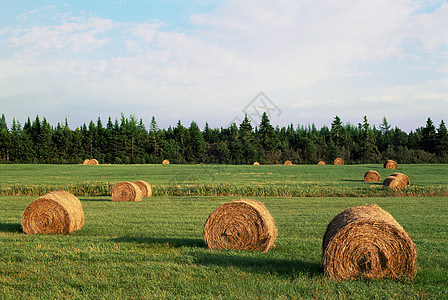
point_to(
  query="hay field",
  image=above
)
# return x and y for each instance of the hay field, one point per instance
(154, 248)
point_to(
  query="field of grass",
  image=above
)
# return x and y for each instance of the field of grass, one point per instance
(154, 249)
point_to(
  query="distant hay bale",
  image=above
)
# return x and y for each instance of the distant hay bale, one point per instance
(390, 164)
(321, 163)
(395, 183)
(165, 162)
(402, 176)
(144, 187)
(90, 162)
(126, 191)
(338, 161)
(372, 176)
(288, 163)
(55, 212)
(86, 161)
(256, 163)
(367, 241)
(240, 225)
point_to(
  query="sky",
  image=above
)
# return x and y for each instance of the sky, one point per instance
(302, 61)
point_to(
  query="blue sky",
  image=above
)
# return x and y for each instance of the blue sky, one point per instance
(207, 61)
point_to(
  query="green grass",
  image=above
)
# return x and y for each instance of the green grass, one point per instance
(154, 249)
(209, 180)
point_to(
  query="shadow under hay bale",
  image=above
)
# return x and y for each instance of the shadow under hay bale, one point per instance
(240, 225)
(367, 241)
(372, 176)
(55, 212)
(390, 164)
(338, 162)
(126, 191)
(144, 187)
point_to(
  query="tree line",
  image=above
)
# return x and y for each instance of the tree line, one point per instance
(128, 141)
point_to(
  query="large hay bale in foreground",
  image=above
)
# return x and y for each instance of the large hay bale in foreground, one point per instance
(126, 191)
(321, 163)
(367, 241)
(55, 212)
(165, 162)
(288, 163)
(395, 183)
(240, 225)
(372, 176)
(390, 164)
(338, 161)
(402, 176)
(144, 187)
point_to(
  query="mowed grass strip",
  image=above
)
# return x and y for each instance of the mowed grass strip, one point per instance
(222, 180)
(154, 249)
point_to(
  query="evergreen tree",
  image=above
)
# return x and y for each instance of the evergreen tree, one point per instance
(442, 140)
(266, 134)
(429, 137)
(337, 133)
(368, 142)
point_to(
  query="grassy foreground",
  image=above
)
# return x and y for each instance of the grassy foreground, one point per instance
(154, 249)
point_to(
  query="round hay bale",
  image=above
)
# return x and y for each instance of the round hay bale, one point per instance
(372, 176)
(240, 225)
(126, 191)
(55, 212)
(93, 162)
(367, 241)
(390, 164)
(321, 163)
(402, 176)
(165, 162)
(395, 183)
(144, 187)
(86, 161)
(256, 163)
(288, 163)
(338, 161)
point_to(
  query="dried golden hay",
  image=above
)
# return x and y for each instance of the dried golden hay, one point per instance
(165, 162)
(372, 176)
(243, 224)
(338, 161)
(55, 212)
(288, 163)
(321, 163)
(390, 164)
(256, 163)
(367, 241)
(90, 162)
(402, 176)
(126, 191)
(86, 161)
(395, 183)
(144, 187)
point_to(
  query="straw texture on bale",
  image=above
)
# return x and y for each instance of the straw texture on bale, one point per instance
(126, 191)
(256, 163)
(367, 241)
(395, 183)
(338, 161)
(402, 176)
(144, 187)
(55, 212)
(390, 164)
(372, 176)
(86, 161)
(288, 163)
(165, 162)
(243, 224)
(321, 163)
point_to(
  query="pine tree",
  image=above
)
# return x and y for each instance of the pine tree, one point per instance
(368, 142)
(442, 140)
(429, 137)
(266, 133)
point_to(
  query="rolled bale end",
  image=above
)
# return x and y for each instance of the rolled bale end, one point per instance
(390, 164)
(394, 183)
(144, 187)
(367, 241)
(338, 162)
(372, 176)
(55, 212)
(256, 163)
(93, 162)
(165, 162)
(402, 177)
(126, 191)
(243, 224)
(321, 163)
(288, 163)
